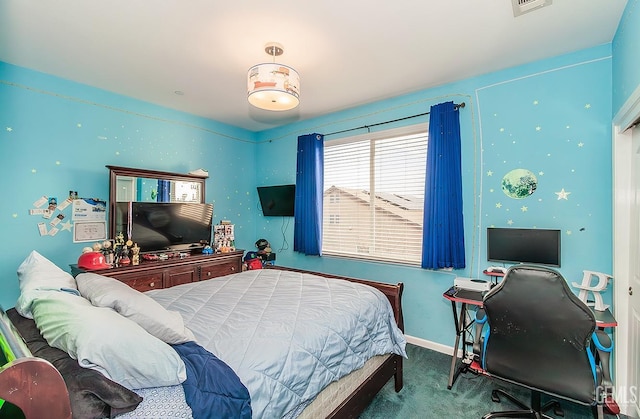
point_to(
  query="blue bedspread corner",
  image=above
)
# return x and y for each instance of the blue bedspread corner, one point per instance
(212, 389)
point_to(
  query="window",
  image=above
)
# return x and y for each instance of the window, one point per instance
(374, 195)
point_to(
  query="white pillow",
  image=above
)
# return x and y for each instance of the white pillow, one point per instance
(103, 291)
(101, 339)
(37, 273)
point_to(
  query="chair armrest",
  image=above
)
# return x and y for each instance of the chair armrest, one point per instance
(604, 346)
(480, 321)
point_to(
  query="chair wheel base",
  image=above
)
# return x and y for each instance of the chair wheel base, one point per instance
(535, 411)
(494, 397)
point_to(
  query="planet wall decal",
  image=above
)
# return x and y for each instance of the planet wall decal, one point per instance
(519, 183)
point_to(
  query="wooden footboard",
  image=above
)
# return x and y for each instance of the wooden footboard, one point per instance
(357, 401)
(32, 384)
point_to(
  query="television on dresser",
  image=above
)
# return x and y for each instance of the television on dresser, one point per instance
(166, 226)
(277, 200)
(524, 245)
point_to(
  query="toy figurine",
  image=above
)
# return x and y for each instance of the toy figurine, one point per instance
(107, 251)
(135, 259)
(124, 257)
(119, 249)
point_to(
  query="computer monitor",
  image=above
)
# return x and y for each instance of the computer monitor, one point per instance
(524, 245)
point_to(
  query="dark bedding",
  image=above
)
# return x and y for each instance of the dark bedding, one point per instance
(92, 395)
(212, 387)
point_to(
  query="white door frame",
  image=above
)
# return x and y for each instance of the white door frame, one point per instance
(623, 194)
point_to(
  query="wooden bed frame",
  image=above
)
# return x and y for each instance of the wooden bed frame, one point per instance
(356, 402)
(32, 384)
(35, 386)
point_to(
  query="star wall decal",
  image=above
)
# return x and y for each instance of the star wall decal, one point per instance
(580, 144)
(535, 102)
(9, 129)
(563, 195)
(524, 209)
(66, 225)
(538, 128)
(489, 173)
(510, 222)
(498, 205)
(587, 106)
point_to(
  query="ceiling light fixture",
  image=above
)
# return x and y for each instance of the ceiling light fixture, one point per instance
(272, 86)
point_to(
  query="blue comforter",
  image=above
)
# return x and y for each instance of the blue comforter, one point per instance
(287, 335)
(212, 389)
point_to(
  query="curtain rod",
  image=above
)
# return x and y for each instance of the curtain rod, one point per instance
(456, 106)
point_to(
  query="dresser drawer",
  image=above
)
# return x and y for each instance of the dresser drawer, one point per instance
(212, 270)
(142, 282)
(180, 275)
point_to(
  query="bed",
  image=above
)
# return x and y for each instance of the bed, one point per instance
(319, 330)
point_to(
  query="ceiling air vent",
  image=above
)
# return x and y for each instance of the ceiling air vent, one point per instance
(521, 7)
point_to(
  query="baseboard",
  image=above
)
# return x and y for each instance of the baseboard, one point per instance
(427, 344)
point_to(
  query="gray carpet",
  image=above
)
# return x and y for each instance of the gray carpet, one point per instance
(425, 393)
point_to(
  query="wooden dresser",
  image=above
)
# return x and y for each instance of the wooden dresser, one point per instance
(168, 273)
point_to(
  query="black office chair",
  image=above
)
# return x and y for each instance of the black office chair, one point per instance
(542, 337)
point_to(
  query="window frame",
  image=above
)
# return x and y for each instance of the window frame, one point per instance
(414, 129)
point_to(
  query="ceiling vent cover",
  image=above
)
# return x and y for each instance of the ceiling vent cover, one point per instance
(521, 7)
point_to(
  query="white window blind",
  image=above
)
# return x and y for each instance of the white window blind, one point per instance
(374, 195)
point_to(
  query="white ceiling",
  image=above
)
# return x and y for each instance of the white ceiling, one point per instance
(348, 53)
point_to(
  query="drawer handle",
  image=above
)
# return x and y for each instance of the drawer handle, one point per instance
(153, 284)
(233, 268)
(208, 273)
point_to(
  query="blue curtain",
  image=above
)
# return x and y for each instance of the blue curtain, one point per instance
(443, 231)
(307, 234)
(164, 190)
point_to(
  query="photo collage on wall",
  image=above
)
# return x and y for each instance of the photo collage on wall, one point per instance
(87, 221)
(50, 209)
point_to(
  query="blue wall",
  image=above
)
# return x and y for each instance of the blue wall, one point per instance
(57, 136)
(551, 117)
(626, 55)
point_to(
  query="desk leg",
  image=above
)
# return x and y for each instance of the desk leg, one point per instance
(459, 325)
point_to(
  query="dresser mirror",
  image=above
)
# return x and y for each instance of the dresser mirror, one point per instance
(139, 185)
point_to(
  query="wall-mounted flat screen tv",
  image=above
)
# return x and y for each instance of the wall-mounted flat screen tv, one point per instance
(524, 245)
(277, 200)
(167, 226)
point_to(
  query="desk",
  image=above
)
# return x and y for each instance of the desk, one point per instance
(463, 323)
